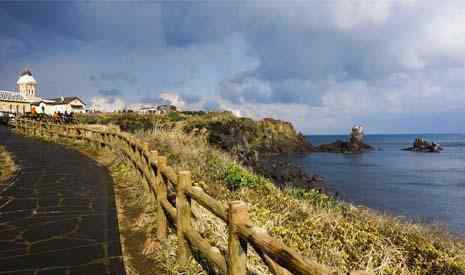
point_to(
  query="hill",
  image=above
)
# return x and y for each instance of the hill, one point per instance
(337, 234)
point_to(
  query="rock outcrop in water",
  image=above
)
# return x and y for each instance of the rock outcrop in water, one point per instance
(422, 145)
(354, 145)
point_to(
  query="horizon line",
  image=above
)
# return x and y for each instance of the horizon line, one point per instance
(392, 134)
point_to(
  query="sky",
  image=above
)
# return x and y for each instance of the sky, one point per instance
(391, 66)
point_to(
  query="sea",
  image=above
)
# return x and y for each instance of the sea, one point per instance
(424, 187)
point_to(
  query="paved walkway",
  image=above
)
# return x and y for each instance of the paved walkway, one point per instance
(58, 216)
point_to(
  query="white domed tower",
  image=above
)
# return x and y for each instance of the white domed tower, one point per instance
(27, 85)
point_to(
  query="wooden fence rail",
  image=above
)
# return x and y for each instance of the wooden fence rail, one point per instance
(162, 179)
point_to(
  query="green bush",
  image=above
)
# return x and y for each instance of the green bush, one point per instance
(237, 177)
(174, 116)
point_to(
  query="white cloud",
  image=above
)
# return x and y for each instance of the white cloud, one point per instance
(322, 65)
(173, 99)
(107, 104)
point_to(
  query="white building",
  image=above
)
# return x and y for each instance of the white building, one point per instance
(158, 110)
(25, 99)
(63, 104)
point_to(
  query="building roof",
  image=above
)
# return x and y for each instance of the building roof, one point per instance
(65, 99)
(58, 101)
(11, 96)
(26, 79)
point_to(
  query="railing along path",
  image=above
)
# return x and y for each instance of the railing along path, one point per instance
(279, 258)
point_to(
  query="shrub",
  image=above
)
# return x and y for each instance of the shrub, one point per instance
(237, 177)
(337, 234)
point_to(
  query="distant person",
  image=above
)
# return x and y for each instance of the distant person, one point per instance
(71, 117)
(33, 112)
(55, 117)
(66, 117)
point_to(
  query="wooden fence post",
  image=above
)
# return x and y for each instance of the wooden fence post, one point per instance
(145, 161)
(162, 194)
(50, 131)
(101, 140)
(183, 219)
(237, 247)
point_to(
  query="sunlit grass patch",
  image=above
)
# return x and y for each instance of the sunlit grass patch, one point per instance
(7, 165)
(340, 235)
(337, 234)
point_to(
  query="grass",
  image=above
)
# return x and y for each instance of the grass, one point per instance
(339, 235)
(238, 135)
(7, 165)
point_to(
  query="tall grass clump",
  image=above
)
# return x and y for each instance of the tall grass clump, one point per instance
(340, 235)
(7, 165)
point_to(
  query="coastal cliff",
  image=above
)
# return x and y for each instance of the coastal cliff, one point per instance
(258, 144)
(250, 139)
(340, 235)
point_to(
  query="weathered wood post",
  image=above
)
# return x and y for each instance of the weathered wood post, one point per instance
(237, 247)
(39, 130)
(183, 219)
(94, 139)
(50, 131)
(113, 140)
(145, 161)
(101, 140)
(162, 194)
(35, 128)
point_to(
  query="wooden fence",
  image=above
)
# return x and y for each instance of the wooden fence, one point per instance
(163, 179)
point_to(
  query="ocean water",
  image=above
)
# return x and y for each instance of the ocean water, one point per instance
(427, 187)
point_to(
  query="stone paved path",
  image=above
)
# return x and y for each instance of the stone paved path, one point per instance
(58, 216)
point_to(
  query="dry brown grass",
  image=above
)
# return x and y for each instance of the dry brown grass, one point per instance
(143, 253)
(339, 235)
(7, 165)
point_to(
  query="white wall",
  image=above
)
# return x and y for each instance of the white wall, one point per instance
(49, 109)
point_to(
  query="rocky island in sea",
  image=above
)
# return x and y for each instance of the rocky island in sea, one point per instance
(422, 145)
(354, 145)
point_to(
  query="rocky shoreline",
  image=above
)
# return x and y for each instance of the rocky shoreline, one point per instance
(265, 146)
(284, 174)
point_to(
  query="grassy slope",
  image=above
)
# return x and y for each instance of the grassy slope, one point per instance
(7, 166)
(236, 135)
(340, 235)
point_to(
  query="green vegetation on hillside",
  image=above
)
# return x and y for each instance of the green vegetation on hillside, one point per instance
(234, 134)
(342, 236)
(255, 143)
(339, 235)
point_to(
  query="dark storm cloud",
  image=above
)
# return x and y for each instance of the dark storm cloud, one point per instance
(110, 92)
(338, 60)
(249, 87)
(189, 23)
(115, 77)
(42, 16)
